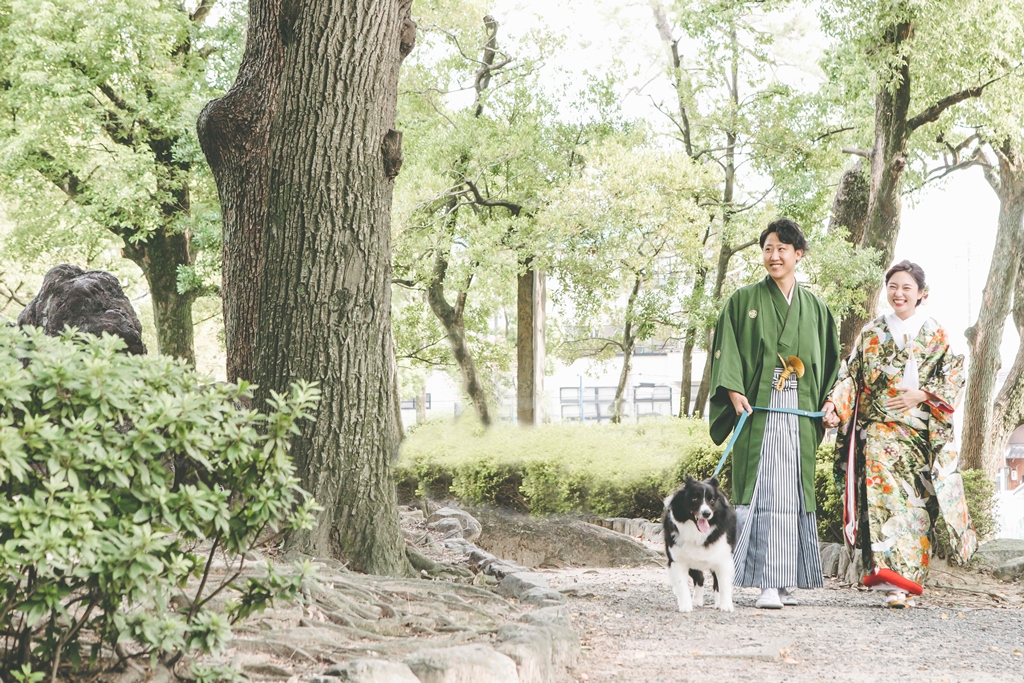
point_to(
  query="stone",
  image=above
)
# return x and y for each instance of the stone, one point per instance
(1011, 570)
(542, 597)
(1000, 550)
(92, 301)
(372, 671)
(446, 525)
(469, 526)
(830, 553)
(516, 584)
(565, 642)
(530, 648)
(267, 670)
(559, 541)
(463, 664)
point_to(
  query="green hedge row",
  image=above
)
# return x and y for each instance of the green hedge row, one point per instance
(605, 470)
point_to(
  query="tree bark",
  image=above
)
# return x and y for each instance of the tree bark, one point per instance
(850, 212)
(159, 257)
(1008, 412)
(628, 344)
(888, 167)
(298, 149)
(451, 318)
(529, 338)
(685, 384)
(986, 335)
(234, 132)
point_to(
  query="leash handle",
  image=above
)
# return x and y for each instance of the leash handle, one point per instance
(743, 420)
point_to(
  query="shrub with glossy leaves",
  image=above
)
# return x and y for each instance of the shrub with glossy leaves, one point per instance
(115, 471)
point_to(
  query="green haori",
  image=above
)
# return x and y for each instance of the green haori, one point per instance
(756, 326)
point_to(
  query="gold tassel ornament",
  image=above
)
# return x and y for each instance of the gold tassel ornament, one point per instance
(789, 366)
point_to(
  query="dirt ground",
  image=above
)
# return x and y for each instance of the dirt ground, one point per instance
(968, 628)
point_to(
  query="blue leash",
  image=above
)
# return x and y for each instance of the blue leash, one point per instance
(743, 419)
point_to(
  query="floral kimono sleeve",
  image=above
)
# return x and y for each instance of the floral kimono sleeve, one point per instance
(945, 473)
(945, 384)
(844, 394)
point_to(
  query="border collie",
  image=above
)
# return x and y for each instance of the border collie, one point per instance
(700, 533)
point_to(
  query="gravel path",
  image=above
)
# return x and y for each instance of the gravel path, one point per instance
(631, 631)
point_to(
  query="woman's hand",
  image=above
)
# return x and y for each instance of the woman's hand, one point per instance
(740, 403)
(908, 398)
(831, 418)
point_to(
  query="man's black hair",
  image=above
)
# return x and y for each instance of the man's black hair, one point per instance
(788, 231)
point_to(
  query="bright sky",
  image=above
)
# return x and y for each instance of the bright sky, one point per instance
(949, 230)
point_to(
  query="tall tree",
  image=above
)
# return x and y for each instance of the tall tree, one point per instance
(919, 60)
(983, 438)
(97, 101)
(733, 114)
(630, 240)
(309, 124)
(479, 168)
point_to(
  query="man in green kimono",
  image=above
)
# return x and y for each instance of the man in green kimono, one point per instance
(762, 327)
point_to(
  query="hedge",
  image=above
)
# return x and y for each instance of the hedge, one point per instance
(605, 470)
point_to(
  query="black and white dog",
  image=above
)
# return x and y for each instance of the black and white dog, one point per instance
(700, 533)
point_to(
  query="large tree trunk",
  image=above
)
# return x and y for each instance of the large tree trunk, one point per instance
(1008, 412)
(850, 212)
(159, 257)
(686, 383)
(986, 335)
(888, 166)
(234, 132)
(628, 344)
(305, 163)
(529, 344)
(451, 318)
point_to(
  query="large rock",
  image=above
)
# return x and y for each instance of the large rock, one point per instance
(90, 300)
(558, 542)
(463, 664)
(1011, 570)
(372, 671)
(1000, 550)
(454, 522)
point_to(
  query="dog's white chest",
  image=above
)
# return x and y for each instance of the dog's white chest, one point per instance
(690, 551)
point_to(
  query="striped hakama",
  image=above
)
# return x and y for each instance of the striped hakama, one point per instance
(777, 541)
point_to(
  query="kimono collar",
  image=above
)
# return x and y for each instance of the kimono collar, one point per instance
(904, 331)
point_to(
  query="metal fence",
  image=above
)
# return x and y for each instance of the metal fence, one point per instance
(594, 404)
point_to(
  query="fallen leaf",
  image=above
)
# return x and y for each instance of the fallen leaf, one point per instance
(960, 614)
(789, 660)
(584, 677)
(943, 616)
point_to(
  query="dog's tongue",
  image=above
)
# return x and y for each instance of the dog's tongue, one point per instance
(703, 525)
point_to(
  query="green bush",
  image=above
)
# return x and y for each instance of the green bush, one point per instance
(607, 470)
(116, 469)
(828, 495)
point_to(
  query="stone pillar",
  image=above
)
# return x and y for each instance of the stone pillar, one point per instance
(530, 325)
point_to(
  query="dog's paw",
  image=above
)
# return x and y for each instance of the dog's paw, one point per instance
(685, 608)
(698, 597)
(725, 606)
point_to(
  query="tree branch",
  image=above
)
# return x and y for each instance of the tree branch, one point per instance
(513, 208)
(858, 152)
(933, 112)
(832, 132)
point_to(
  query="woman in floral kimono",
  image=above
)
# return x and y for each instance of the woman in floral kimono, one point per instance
(903, 383)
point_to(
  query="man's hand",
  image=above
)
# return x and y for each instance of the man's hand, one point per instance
(831, 418)
(908, 398)
(740, 403)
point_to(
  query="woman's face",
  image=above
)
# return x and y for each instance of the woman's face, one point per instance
(903, 293)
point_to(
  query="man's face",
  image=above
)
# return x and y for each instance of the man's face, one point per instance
(780, 258)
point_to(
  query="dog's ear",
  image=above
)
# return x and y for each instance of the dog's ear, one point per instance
(690, 479)
(713, 481)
